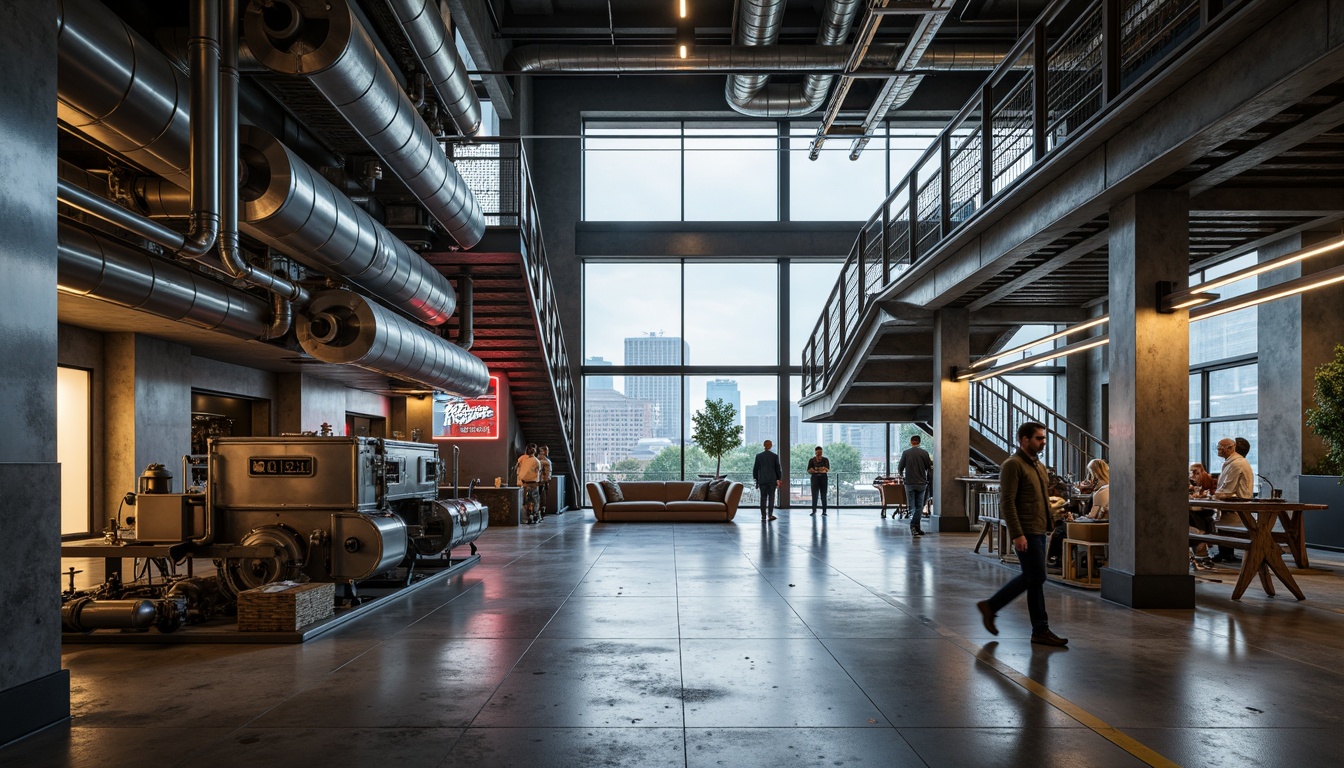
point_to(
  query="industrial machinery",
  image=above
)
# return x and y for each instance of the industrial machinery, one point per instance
(347, 510)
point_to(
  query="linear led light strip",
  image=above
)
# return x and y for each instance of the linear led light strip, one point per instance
(1027, 362)
(984, 361)
(1273, 292)
(1203, 293)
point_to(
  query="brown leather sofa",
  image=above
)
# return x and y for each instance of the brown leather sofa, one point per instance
(656, 501)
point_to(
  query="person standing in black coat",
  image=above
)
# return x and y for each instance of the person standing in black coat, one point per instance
(768, 476)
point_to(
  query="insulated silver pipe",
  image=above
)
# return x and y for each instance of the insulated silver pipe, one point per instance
(433, 44)
(823, 59)
(344, 327)
(203, 51)
(116, 89)
(101, 268)
(329, 46)
(756, 22)
(788, 100)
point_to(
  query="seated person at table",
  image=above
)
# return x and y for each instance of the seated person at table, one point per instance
(1099, 480)
(1201, 480)
(1059, 518)
(1234, 482)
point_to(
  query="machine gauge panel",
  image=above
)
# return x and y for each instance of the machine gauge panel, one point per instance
(280, 466)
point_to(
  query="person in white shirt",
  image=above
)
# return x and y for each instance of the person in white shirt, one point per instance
(1234, 482)
(528, 470)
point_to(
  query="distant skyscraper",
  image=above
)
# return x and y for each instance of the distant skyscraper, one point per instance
(613, 425)
(725, 390)
(598, 382)
(665, 392)
(762, 422)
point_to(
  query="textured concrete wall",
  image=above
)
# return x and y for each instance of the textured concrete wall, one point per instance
(222, 378)
(951, 419)
(1286, 370)
(29, 475)
(305, 402)
(147, 407)
(1149, 364)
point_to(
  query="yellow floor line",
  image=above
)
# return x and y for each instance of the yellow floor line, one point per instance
(1107, 731)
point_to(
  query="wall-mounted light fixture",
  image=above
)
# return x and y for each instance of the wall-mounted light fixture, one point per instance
(685, 29)
(990, 359)
(1171, 299)
(967, 374)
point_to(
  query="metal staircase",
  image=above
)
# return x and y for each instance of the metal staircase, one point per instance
(998, 407)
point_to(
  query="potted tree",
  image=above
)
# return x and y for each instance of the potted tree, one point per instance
(1320, 482)
(716, 431)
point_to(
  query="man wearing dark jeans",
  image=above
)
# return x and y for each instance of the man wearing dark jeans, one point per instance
(916, 468)
(1025, 508)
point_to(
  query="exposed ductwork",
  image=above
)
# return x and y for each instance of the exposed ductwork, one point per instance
(758, 97)
(115, 88)
(466, 312)
(814, 59)
(101, 268)
(326, 43)
(433, 45)
(344, 327)
(756, 22)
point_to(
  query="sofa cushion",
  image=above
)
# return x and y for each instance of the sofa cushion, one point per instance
(612, 491)
(677, 490)
(634, 506)
(718, 491)
(652, 490)
(694, 506)
(699, 491)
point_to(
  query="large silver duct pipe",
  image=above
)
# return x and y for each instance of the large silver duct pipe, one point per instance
(826, 60)
(101, 268)
(788, 100)
(115, 88)
(344, 327)
(755, 22)
(433, 44)
(326, 43)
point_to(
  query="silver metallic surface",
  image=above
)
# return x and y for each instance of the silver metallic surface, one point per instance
(101, 268)
(757, 22)
(344, 327)
(789, 100)
(827, 60)
(86, 614)
(433, 43)
(363, 546)
(332, 49)
(115, 88)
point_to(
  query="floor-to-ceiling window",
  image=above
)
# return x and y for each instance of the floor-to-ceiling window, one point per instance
(1224, 374)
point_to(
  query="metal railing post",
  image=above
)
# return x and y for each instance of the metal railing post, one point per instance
(1110, 50)
(986, 144)
(945, 184)
(1040, 100)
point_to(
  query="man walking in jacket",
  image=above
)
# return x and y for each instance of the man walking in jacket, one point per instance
(1024, 507)
(916, 468)
(768, 476)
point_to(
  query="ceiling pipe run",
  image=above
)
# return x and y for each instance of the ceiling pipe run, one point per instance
(344, 327)
(101, 268)
(773, 99)
(116, 89)
(755, 23)
(328, 45)
(433, 45)
(812, 59)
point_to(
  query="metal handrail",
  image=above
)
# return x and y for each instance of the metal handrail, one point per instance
(497, 172)
(998, 407)
(1049, 89)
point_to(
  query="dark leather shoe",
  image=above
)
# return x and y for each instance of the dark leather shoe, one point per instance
(987, 617)
(1050, 638)
(772, 517)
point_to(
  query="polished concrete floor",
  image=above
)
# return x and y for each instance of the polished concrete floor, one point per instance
(837, 641)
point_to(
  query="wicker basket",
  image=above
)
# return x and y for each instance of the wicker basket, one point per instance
(285, 610)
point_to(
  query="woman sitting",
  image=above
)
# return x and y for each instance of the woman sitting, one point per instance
(1201, 482)
(1099, 480)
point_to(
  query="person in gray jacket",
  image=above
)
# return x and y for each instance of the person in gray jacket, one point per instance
(916, 468)
(768, 476)
(1025, 508)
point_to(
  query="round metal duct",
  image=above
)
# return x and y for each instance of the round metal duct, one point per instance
(344, 327)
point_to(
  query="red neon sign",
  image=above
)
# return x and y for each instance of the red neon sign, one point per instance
(468, 418)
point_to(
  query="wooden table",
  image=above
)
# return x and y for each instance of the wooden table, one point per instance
(1263, 555)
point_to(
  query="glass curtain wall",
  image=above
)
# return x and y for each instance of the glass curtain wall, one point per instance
(1224, 373)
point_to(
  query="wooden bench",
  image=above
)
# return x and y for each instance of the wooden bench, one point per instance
(1222, 541)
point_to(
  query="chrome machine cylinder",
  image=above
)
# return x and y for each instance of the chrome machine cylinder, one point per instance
(86, 614)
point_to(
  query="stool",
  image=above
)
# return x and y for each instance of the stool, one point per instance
(1090, 551)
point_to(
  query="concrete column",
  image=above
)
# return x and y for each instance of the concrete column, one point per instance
(147, 402)
(34, 690)
(951, 419)
(1287, 369)
(1149, 356)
